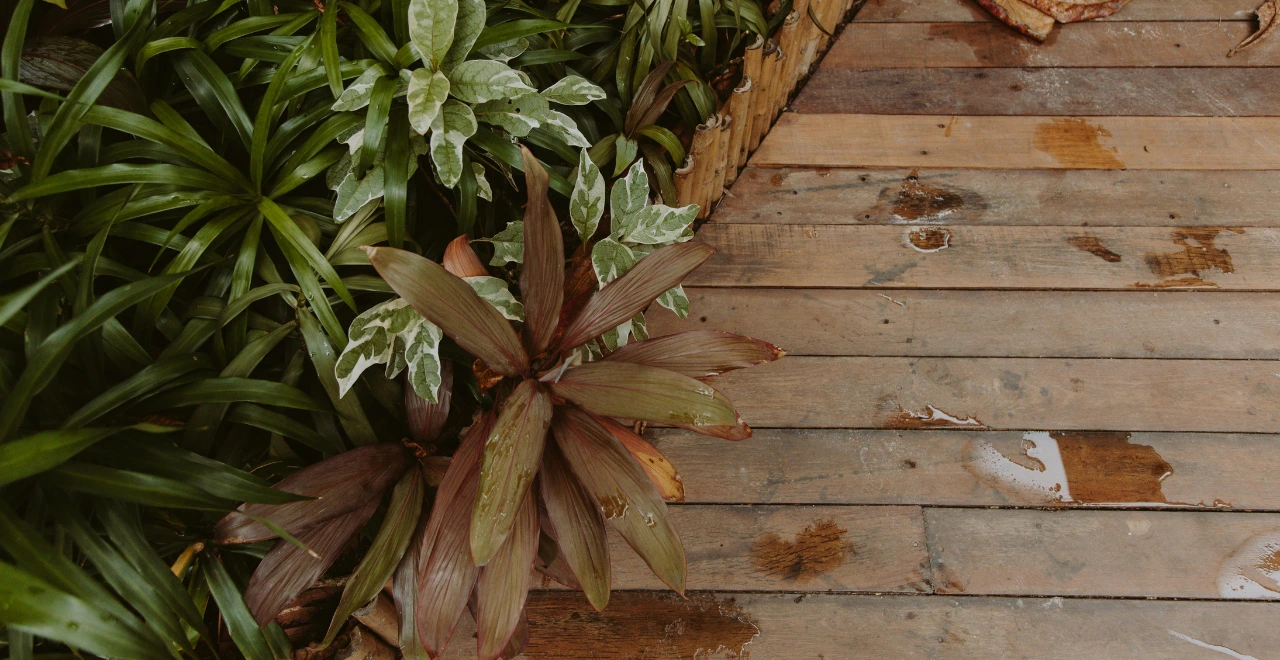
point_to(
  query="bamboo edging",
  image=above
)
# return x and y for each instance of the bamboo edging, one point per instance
(771, 70)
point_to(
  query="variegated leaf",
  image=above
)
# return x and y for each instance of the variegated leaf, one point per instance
(611, 259)
(422, 353)
(505, 51)
(656, 225)
(477, 81)
(431, 24)
(563, 126)
(508, 245)
(573, 90)
(495, 292)
(427, 93)
(471, 17)
(517, 115)
(394, 334)
(676, 301)
(357, 94)
(483, 189)
(630, 194)
(449, 132)
(586, 203)
(354, 192)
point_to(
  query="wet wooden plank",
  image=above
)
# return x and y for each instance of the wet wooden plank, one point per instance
(1239, 396)
(1174, 554)
(817, 548)
(1022, 143)
(1195, 325)
(658, 626)
(1089, 44)
(1011, 197)
(945, 11)
(1176, 92)
(978, 468)
(984, 257)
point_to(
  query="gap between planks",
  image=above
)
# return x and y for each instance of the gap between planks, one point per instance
(950, 11)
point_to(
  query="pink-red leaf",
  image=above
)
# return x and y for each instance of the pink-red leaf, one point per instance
(542, 276)
(623, 298)
(698, 353)
(447, 301)
(460, 260)
(446, 574)
(660, 471)
(287, 570)
(404, 589)
(625, 496)
(504, 582)
(633, 391)
(427, 419)
(510, 461)
(339, 484)
(577, 526)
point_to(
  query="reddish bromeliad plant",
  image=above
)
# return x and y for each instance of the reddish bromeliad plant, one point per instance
(536, 479)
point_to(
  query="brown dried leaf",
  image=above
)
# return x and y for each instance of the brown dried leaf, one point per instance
(1072, 12)
(661, 472)
(1266, 22)
(1021, 17)
(461, 260)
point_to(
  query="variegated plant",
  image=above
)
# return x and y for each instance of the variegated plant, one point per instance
(450, 87)
(555, 440)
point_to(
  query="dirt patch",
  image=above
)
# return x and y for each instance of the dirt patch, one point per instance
(648, 625)
(929, 239)
(916, 200)
(1180, 283)
(1193, 259)
(1076, 143)
(1106, 467)
(1093, 246)
(820, 548)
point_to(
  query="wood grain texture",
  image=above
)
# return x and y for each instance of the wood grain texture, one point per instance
(1018, 143)
(1173, 554)
(1009, 393)
(1012, 197)
(981, 257)
(959, 11)
(1172, 92)
(759, 548)
(930, 467)
(1089, 44)
(1139, 324)
(655, 626)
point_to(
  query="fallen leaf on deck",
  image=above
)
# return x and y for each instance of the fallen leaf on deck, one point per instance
(1021, 17)
(1266, 21)
(1066, 11)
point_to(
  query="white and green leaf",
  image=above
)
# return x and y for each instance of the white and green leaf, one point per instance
(676, 301)
(573, 90)
(508, 245)
(586, 202)
(483, 189)
(452, 127)
(471, 18)
(517, 115)
(375, 338)
(610, 260)
(357, 94)
(431, 28)
(656, 225)
(629, 195)
(427, 93)
(505, 51)
(478, 81)
(494, 291)
(422, 355)
(565, 127)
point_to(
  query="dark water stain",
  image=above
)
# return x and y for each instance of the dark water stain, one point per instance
(917, 201)
(641, 625)
(929, 239)
(885, 275)
(1193, 259)
(818, 549)
(1093, 246)
(1075, 143)
(1106, 468)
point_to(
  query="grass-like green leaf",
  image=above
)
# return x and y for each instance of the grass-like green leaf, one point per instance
(240, 624)
(38, 452)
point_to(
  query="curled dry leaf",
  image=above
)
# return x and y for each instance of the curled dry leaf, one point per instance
(1021, 17)
(661, 472)
(461, 260)
(1072, 12)
(1266, 25)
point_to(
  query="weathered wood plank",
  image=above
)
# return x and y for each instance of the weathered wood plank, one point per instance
(1196, 325)
(1013, 197)
(950, 11)
(1090, 44)
(1238, 396)
(655, 626)
(983, 257)
(760, 548)
(1179, 554)
(978, 468)
(1021, 143)
(1176, 92)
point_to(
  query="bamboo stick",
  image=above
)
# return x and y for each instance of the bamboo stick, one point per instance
(700, 152)
(707, 181)
(740, 111)
(752, 61)
(761, 100)
(789, 46)
(723, 139)
(684, 182)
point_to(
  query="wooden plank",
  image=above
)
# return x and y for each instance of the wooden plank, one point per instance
(1176, 554)
(657, 626)
(981, 257)
(1181, 92)
(1091, 44)
(1021, 143)
(1195, 325)
(758, 548)
(1240, 396)
(947, 11)
(1011, 197)
(978, 468)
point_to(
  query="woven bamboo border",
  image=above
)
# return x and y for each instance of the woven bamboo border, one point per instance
(771, 70)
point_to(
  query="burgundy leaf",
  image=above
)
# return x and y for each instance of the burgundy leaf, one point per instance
(633, 391)
(625, 496)
(542, 276)
(427, 419)
(660, 471)
(339, 484)
(577, 527)
(288, 569)
(510, 461)
(461, 260)
(404, 589)
(698, 353)
(504, 582)
(447, 301)
(628, 295)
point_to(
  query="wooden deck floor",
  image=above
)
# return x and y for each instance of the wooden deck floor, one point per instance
(1032, 298)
